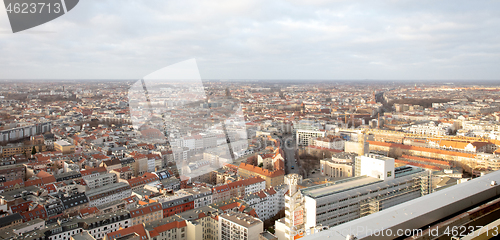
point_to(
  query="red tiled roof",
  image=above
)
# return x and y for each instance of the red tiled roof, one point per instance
(11, 184)
(136, 229)
(261, 171)
(271, 191)
(423, 149)
(122, 169)
(421, 159)
(33, 182)
(42, 174)
(142, 180)
(172, 225)
(50, 188)
(100, 156)
(93, 170)
(153, 156)
(87, 211)
(139, 156)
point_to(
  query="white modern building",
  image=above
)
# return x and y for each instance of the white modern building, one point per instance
(305, 137)
(374, 165)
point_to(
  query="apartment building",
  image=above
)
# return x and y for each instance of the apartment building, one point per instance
(92, 172)
(124, 173)
(239, 226)
(169, 228)
(267, 203)
(24, 131)
(139, 182)
(147, 213)
(140, 164)
(175, 203)
(101, 180)
(202, 196)
(254, 184)
(20, 148)
(67, 176)
(227, 191)
(12, 172)
(463, 145)
(108, 193)
(20, 228)
(99, 226)
(201, 223)
(272, 178)
(305, 137)
(128, 162)
(10, 220)
(111, 164)
(74, 201)
(62, 230)
(135, 232)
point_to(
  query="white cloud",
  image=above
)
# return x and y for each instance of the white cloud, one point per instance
(252, 39)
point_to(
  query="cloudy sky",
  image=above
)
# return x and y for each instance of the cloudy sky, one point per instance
(261, 39)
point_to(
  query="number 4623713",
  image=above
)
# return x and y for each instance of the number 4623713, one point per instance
(33, 8)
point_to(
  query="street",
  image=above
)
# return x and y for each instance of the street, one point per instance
(289, 149)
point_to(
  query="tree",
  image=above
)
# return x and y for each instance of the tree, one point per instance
(33, 150)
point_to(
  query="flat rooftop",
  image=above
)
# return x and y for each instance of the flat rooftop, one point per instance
(82, 236)
(406, 170)
(418, 212)
(339, 186)
(63, 143)
(241, 219)
(378, 156)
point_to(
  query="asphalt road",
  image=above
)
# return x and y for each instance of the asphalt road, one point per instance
(289, 149)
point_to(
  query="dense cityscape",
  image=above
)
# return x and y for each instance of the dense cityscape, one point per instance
(242, 159)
